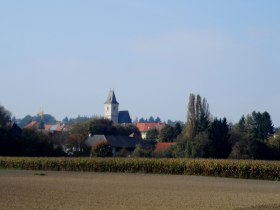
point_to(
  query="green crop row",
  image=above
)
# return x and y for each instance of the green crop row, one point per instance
(249, 169)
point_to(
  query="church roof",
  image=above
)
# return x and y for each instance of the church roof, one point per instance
(124, 117)
(111, 98)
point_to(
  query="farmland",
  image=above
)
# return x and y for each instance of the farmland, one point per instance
(21, 189)
(248, 169)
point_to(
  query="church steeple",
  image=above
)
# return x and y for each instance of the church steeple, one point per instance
(111, 108)
(111, 98)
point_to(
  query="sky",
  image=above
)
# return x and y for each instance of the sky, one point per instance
(63, 56)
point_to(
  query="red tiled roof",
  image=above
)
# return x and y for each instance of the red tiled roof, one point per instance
(144, 127)
(33, 124)
(164, 146)
(57, 127)
(60, 127)
(48, 127)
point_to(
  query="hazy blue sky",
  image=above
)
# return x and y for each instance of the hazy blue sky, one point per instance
(64, 56)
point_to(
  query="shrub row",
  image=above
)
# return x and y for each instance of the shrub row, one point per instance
(249, 169)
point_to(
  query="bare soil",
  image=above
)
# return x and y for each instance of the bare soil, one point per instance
(84, 190)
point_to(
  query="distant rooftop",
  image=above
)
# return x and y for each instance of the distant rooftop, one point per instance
(144, 127)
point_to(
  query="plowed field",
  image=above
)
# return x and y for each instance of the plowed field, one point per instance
(76, 190)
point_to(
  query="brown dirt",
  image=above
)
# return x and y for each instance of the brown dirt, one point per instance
(77, 190)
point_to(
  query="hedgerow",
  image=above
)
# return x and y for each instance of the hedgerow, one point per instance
(248, 169)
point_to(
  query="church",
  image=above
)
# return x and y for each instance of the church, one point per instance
(111, 110)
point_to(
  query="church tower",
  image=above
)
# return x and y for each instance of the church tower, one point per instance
(111, 108)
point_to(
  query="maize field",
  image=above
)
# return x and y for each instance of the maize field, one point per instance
(246, 169)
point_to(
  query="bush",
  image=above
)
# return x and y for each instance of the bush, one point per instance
(168, 153)
(252, 150)
(102, 149)
(140, 152)
(123, 153)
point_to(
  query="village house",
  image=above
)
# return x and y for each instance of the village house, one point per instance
(118, 142)
(57, 128)
(56, 132)
(145, 127)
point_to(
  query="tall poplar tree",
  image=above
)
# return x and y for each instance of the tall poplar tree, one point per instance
(191, 117)
(198, 117)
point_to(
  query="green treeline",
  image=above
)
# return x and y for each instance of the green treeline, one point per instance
(26, 142)
(202, 136)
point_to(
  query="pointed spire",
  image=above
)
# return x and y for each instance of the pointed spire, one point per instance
(111, 98)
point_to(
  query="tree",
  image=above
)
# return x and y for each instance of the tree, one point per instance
(168, 153)
(199, 147)
(240, 150)
(241, 125)
(78, 135)
(250, 136)
(203, 117)
(166, 134)
(77, 120)
(274, 141)
(127, 129)
(177, 130)
(198, 117)
(263, 127)
(152, 134)
(240, 132)
(65, 121)
(101, 127)
(46, 119)
(256, 126)
(26, 143)
(36, 144)
(152, 137)
(173, 123)
(151, 119)
(140, 152)
(219, 135)
(123, 153)
(5, 116)
(245, 141)
(191, 117)
(194, 140)
(252, 150)
(7, 144)
(158, 120)
(25, 121)
(142, 120)
(102, 149)
(201, 137)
